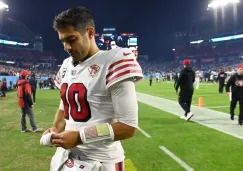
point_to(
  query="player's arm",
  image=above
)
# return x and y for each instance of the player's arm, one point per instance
(27, 94)
(124, 100)
(125, 105)
(178, 83)
(59, 122)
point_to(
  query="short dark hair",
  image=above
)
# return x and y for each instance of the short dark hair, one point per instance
(79, 17)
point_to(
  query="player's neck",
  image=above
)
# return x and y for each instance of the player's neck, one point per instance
(90, 54)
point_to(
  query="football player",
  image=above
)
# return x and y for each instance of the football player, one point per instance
(98, 106)
(157, 77)
(229, 73)
(197, 79)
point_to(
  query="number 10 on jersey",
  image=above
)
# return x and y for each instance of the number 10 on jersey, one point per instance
(75, 102)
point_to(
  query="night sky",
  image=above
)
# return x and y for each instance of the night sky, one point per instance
(153, 21)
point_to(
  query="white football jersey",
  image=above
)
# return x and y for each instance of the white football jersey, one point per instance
(197, 74)
(157, 75)
(229, 74)
(87, 100)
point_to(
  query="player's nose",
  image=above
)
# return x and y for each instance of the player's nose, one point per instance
(67, 47)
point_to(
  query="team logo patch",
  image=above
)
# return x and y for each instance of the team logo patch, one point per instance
(239, 83)
(69, 163)
(93, 70)
(64, 70)
(81, 166)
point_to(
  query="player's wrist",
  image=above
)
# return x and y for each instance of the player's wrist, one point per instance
(79, 141)
(100, 133)
(55, 129)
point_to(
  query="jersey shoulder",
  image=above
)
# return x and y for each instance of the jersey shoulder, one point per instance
(121, 65)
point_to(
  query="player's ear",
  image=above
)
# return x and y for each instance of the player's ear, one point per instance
(91, 32)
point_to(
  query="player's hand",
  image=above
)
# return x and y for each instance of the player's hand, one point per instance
(53, 129)
(67, 139)
(228, 93)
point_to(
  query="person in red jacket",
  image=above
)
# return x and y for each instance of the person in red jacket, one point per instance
(25, 102)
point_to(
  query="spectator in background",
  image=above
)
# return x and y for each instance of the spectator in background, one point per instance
(150, 79)
(235, 82)
(221, 79)
(185, 82)
(4, 88)
(25, 102)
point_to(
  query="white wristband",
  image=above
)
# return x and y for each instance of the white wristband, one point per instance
(46, 140)
(97, 134)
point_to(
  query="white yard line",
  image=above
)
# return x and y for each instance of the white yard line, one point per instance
(205, 95)
(144, 133)
(216, 107)
(174, 157)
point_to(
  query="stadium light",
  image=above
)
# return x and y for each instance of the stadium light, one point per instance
(196, 42)
(3, 6)
(173, 49)
(221, 3)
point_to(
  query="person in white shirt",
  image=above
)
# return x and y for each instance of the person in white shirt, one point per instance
(197, 79)
(157, 77)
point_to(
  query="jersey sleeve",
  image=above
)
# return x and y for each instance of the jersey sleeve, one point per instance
(58, 79)
(123, 66)
(61, 73)
(124, 100)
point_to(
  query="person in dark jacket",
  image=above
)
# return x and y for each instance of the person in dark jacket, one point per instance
(33, 84)
(221, 79)
(185, 82)
(3, 88)
(150, 79)
(235, 82)
(25, 102)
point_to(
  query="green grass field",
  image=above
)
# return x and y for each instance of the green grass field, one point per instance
(202, 148)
